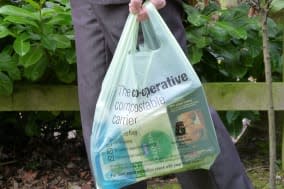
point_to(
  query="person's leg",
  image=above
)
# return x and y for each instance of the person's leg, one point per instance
(227, 172)
(197, 179)
(91, 62)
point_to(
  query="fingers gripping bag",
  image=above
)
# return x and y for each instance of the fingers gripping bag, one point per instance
(152, 116)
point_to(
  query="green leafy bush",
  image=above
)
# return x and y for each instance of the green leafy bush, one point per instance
(37, 43)
(226, 45)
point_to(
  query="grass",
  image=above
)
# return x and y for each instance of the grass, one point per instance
(258, 175)
(260, 178)
(165, 186)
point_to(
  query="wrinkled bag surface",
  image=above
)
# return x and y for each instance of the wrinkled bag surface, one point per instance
(152, 116)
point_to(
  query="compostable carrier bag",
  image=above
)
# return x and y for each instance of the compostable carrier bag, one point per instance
(152, 116)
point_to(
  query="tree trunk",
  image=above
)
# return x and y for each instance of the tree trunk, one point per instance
(271, 115)
(282, 111)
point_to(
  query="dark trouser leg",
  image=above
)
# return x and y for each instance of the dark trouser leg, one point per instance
(91, 62)
(139, 185)
(227, 172)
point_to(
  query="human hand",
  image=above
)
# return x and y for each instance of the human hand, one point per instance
(136, 7)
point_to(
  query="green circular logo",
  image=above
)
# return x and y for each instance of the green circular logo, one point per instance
(156, 145)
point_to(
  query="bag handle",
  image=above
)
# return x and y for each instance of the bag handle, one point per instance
(155, 31)
(160, 29)
(128, 39)
(149, 35)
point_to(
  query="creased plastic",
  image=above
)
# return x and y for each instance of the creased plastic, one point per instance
(152, 116)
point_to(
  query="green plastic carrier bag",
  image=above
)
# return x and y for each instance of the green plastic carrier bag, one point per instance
(152, 117)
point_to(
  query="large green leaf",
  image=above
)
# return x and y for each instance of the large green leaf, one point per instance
(3, 31)
(230, 57)
(48, 42)
(218, 33)
(10, 67)
(5, 56)
(60, 19)
(32, 57)
(234, 120)
(36, 71)
(21, 46)
(246, 58)
(43, 1)
(197, 19)
(195, 55)
(273, 29)
(21, 20)
(275, 57)
(62, 41)
(210, 8)
(55, 11)
(236, 16)
(194, 17)
(237, 70)
(227, 53)
(231, 116)
(234, 123)
(65, 2)
(277, 5)
(6, 84)
(48, 30)
(238, 33)
(253, 44)
(198, 37)
(47, 12)
(34, 4)
(11, 10)
(65, 72)
(70, 55)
